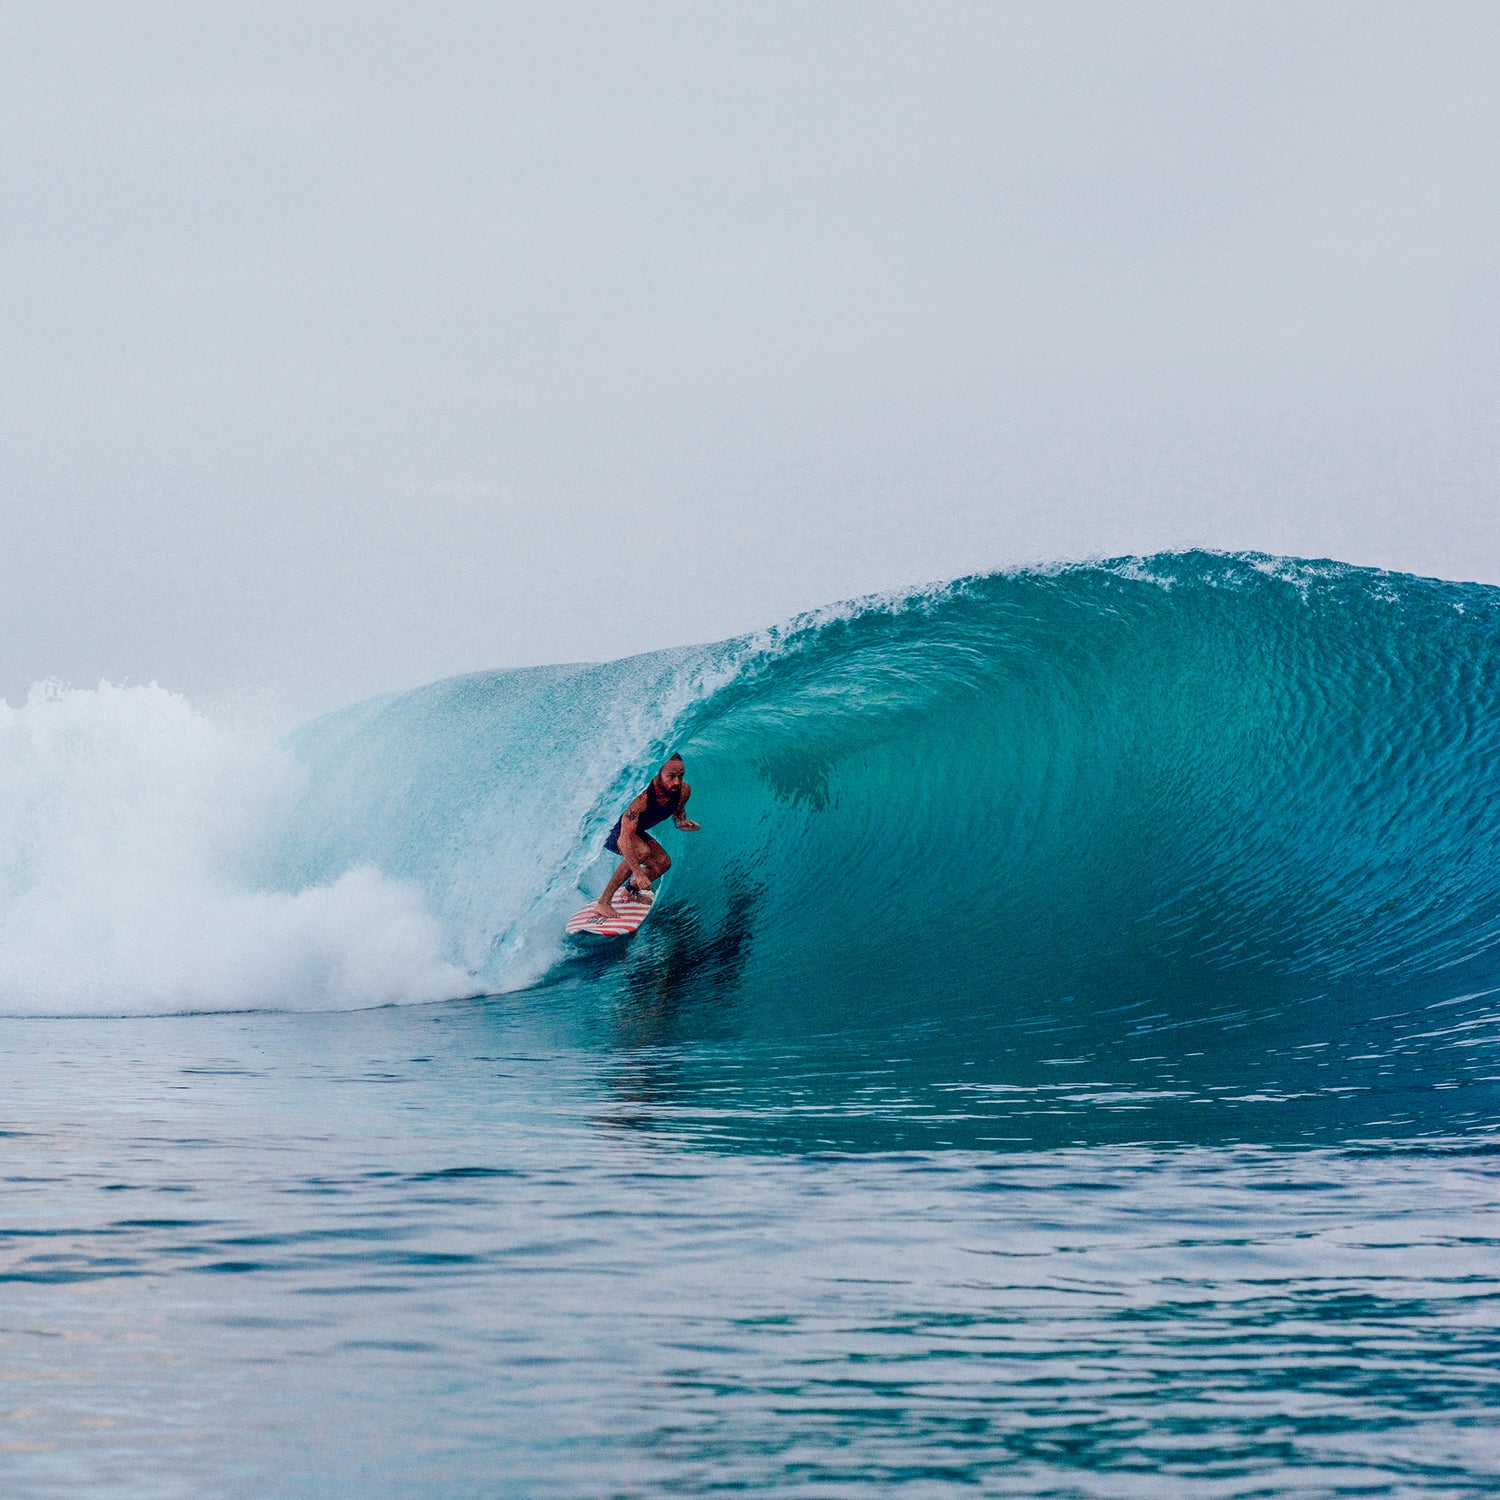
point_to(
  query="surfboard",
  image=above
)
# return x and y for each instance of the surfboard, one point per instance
(587, 922)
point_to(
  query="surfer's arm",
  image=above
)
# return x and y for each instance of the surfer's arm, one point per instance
(632, 846)
(680, 818)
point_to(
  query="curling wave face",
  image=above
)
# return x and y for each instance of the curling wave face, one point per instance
(1199, 836)
(1281, 773)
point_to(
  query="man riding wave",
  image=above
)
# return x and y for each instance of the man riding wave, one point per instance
(642, 858)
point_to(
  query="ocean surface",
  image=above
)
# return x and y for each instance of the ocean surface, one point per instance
(1065, 1064)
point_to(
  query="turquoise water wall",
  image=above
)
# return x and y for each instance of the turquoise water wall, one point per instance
(1209, 782)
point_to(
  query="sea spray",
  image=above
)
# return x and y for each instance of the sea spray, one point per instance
(131, 832)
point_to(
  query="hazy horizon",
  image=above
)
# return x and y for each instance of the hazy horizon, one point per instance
(349, 347)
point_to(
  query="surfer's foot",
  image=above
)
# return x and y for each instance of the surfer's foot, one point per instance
(604, 908)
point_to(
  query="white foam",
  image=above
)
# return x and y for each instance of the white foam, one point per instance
(131, 831)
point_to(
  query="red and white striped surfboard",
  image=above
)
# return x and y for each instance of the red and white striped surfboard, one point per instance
(632, 912)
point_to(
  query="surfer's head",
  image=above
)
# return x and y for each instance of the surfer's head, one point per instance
(671, 773)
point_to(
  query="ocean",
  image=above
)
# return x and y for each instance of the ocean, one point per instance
(1065, 1063)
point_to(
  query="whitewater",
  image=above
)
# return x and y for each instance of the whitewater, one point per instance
(1064, 1063)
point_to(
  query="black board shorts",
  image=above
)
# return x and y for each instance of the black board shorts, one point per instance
(612, 843)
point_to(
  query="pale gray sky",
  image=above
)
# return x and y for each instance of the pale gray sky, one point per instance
(348, 345)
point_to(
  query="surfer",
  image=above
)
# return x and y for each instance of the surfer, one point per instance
(642, 858)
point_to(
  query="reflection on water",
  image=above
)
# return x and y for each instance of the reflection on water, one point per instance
(685, 972)
(689, 1056)
(412, 1252)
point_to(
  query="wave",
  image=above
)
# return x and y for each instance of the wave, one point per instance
(1191, 764)
(1184, 787)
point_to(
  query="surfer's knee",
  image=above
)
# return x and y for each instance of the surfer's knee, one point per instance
(663, 863)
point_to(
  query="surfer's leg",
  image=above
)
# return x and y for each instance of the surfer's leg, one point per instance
(652, 859)
(656, 861)
(615, 882)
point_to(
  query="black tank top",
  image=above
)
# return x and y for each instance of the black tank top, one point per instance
(658, 812)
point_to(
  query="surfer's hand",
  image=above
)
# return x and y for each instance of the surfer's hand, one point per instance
(688, 826)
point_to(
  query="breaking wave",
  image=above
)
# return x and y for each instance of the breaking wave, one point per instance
(1198, 784)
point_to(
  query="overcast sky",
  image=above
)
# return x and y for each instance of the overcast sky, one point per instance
(345, 346)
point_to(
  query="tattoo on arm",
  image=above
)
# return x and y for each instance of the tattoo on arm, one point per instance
(628, 822)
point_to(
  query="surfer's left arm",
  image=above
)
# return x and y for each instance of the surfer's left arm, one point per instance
(680, 818)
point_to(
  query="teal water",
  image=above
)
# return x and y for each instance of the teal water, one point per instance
(1177, 780)
(429, 1251)
(1064, 1064)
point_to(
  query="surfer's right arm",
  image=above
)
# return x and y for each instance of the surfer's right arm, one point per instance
(631, 847)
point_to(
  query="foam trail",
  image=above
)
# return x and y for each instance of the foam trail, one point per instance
(132, 834)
